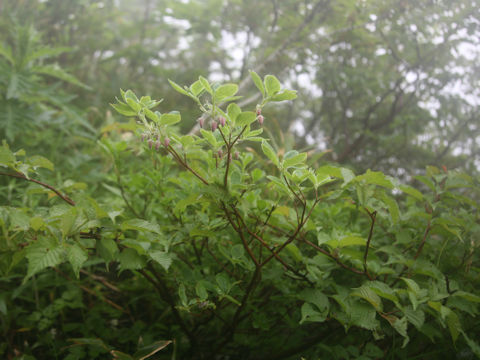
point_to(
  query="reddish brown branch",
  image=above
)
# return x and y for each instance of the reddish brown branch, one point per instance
(21, 176)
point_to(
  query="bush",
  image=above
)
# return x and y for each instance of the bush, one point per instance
(218, 246)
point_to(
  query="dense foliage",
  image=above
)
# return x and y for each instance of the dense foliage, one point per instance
(206, 242)
(191, 228)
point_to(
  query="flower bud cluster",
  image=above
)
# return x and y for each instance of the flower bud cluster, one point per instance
(153, 140)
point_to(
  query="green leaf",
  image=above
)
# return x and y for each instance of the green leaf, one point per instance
(161, 257)
(383, 290)
(201, 291)
(363, 315)
(347, 175)
(178, 87)
(130, 260)
(416, 317)
(76, 256)
(245, 118)
(392, 207)
(141, 225)
(39, 161)
(67, 220)
(233, 110)
(205, 84)
(376, 178)
(147, 351)
(467, 296)
(225, 91)
(208, 135)
(36, 223)
(7, 159)
(400, 325)
(170, 118)
(123, 109)
(196, 88)
(411, 191)
(270, 153)
(272, 85)
(285, 95)
(294, 160)
(258, 82)
(369, 295)
(57, 72)
(107, 249)
(44, 253)
(310, 314)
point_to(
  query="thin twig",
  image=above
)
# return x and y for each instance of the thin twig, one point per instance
(50, 187)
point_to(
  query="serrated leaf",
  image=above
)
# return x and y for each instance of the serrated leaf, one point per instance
(44, 253)
(383, 290)
(140, 224)
(270, 153)
(416, 317)
(40, 161)
(76, 256)
(369, 295)
(258, 82)
(130, 260)
(272, 85)
(161, 257)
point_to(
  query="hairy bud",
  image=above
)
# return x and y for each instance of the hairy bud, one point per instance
(157, 145)
(236, 155)
(200, 121)
(222, 121)
(220, 153)
(150, 143)
(166, 142)
(259, 111)
(214, 125)
(260, 119)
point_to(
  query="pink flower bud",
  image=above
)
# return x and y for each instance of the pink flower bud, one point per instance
(260, 119)
(200, 121)
(150, 143)
(143, 137)
(221, 120)
(220, 153)
(259, 111)
(157, 145)
(236, 155)
(166, 142)
(214, 125)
